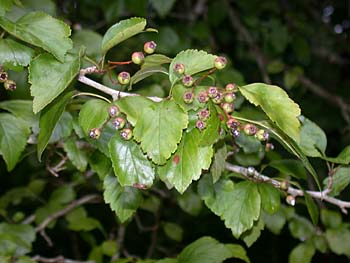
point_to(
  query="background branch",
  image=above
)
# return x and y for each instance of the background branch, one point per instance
(59, 259)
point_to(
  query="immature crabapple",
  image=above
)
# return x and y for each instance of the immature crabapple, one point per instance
(149, 47)
(124, 77)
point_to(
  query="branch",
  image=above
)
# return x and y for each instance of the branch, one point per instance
(116, 94)
(59, 259)
(256, 176)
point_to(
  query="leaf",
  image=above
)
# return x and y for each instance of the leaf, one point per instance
(131, 107)
(339, 240)
(130, 165)
(123, 200)
(77, 156)
(49, 118)
(100, 164)
(14, 54)
(5, 5)
(49, 78)
(146, 72)
(302, 253)
(342, 158)
(37, 28)
(270, 198)
(93, 114)
(301, 228)
(237, 204)
(212, 131)
(173, 231)
(14, 133)
(275, 102)
(78, 220)
(159, 134)
(195, 61)
(63, 128)
(274, 222)
(312, 208)
(209, 250)
(251, 236)
(21, 109)
(331, 219)
(155, 60)
(122, 31)
(341, 179)
(219, 162)
(190, 202)
(162, 7)
(89, 39)
(187, 162)
(291, 167)
(178, 94)
(313, 140)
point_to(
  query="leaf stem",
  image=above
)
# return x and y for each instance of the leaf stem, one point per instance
(92, 95)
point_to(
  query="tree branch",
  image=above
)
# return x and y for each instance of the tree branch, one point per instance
(256, 176)
(59, 259)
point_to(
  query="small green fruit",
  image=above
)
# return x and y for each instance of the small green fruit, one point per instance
(179, 68)
(229, 97)
(124, 77)
(188, 97)
(250, 129)
(149, 47)
(218, 98)
(126, 134)
(119, 123)
(3, 76)
(220, 62)
(113, 111)
(187, 80)
(10, 85)
(138, 58)
(95, 133)
(232, 123)
(227, 107)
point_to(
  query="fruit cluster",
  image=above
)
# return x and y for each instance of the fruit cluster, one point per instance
(8, 83)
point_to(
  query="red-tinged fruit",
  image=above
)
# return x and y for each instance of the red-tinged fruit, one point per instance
(201, 125)
(95, 133)
(126, 134)
(231, 87)
(3, 76)
(212, 92)
(187, 80)
(124, 77)
(220, 62)
(113, 111)
(218, 98)
(229, 97)
(138, 58)
(232, 123)
(149, 47)
(250, 129)
(188, 97)
(119, 123)
(10, 85)
(290, 200)
(262, 135)
(203, 114)
(269, 147)
(227, 107)
(179, 68)
(203, 97)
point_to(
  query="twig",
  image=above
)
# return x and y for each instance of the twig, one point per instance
(322, 195)
(57, 168)
(59, 259)
(154, 235)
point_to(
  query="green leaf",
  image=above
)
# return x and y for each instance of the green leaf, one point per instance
(313, 140)
(49, 78)
(21, 109)
(339, 240)
(5, 5)
(291, 167)
(78, 220)
(331, 219)
(100, 164)
(190, 202)
(187, 162)
(89, 39)
(195, 61)
(237, 204)
(277, 105)
(93, 114)
(14, 54)
(341, 179)
(173, 231)
(251, 236)
(312, 208)
(249, 144)
(77, 156)
(37, 28)
(63, 128)
(123, 200)
(342, 158)
(275, 66)
(14, 133)
(219, 162)
(178, 94)
(130, 165)
(162, 7)
(49, 118)
(209, 250)
(302, 253)
(155, 60)
(301, 228)
(291, 76)
(212, 131)
(122, 31)
(133, 107)
(274, 222)
(270, 198)
(146, 72)
(159, 134)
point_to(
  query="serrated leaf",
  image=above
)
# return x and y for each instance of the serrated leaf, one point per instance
(146, 72)
(37, 28)
(159, 134)
(237, 204)
(14, 54)
(130, 165)
(14, 133)
(122, 31)
(312, 208)
(133, 107)
(77, 156)
(93, 114)
(291, 167)
(341, 179)
(155, 60)
(339, 240)
(123, 200)
(342, 158)
(302, 253)
(187, 162)
(100, 164)
(49, 78)
(277, 105)
(313, 140)
(270, 198)
(49, 118)
(194, 60)
(219, 163)
(251, 236)
(178, 94)
(21, 109)
(162, 7)
(209, 250)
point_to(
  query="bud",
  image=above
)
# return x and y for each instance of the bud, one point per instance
(10, 85)
(149, 47)
(179, 68)
(113, 111)
(95, 133)
(124, 78)
(284, 185)
(220, 62)
(3, 76)
(187, 80)
(137, 58)
(290, 200)
(250, 129)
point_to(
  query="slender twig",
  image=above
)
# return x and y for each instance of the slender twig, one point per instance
(322, 195)
(59, 259)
